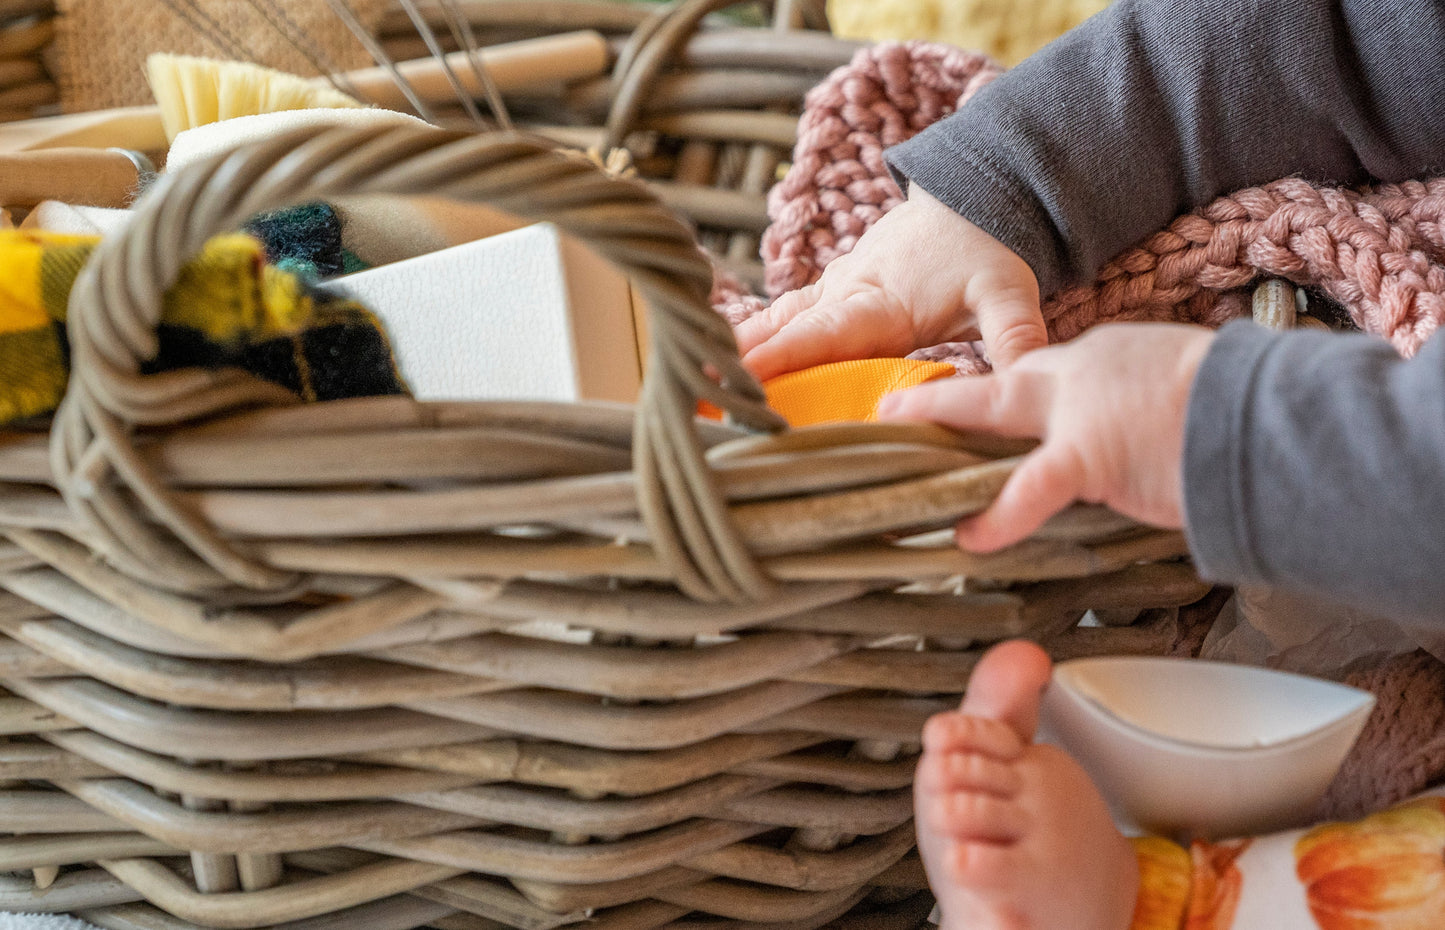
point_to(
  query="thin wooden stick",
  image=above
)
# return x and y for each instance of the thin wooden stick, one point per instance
(517, 66)
(347, 15)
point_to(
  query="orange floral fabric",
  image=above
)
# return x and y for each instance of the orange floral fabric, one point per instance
(1197, 889)
(1385, 872)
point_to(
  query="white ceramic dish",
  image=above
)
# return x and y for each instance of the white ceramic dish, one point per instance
(1183, 747)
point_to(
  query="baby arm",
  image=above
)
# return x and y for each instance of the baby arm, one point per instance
(1150, 108)
(1316, 462)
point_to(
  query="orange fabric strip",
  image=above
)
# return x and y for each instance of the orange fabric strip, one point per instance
(846, 391)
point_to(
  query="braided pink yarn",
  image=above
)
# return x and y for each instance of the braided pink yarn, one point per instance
(838, 186)
(1376, 251)
(1379, 251)
(1400, 752)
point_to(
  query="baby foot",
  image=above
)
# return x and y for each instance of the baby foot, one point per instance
(1013, 834)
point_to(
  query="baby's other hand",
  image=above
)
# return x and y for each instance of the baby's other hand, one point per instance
(920, 276)
(1110, 409)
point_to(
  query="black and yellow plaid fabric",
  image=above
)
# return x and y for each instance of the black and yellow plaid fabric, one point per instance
(229, 307)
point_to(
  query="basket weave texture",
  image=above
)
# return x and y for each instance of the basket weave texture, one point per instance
(706, 106)
(468, 665)
(27, 32)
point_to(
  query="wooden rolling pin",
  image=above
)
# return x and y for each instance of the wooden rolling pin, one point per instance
(137, 128)
(525, 65)
(84, 177)
(531, 64)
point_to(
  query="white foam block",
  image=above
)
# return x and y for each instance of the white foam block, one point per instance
(527, 314)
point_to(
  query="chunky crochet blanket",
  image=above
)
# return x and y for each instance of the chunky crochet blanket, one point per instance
(1378, 252)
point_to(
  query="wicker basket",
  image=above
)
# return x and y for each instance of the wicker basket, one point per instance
(707, 107)
(389, 664)
(26, 30)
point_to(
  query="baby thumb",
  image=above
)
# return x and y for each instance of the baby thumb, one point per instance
(1012, 325)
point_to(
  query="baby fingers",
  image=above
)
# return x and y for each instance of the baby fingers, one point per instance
(862, 325)
(763, 325)
(1045, 482)
(1017, 404)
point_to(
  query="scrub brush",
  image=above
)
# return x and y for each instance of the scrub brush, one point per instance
(196, 91)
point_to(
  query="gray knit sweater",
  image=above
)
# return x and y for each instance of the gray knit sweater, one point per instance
(1312, 461)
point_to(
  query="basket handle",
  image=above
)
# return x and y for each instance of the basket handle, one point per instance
(115, 308)
(655, 45)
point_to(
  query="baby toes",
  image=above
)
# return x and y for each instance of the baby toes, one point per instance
(983, 868)
(967, 771)
(952, 731)
(975, 816)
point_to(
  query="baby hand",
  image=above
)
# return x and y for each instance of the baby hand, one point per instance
(1109, 407)
(920, 276)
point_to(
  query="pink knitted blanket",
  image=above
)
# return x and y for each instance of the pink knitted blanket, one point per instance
(1378, 251)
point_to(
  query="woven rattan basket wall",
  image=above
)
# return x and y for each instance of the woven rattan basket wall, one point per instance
(26, 30)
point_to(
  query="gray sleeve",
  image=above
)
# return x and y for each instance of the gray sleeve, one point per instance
(1316, 461)
(1154, 107)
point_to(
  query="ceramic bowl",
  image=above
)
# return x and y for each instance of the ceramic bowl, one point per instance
(1188, 748)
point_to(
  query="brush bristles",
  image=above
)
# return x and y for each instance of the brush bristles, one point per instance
(195, 91)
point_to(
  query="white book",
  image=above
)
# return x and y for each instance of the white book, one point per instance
(527, 314)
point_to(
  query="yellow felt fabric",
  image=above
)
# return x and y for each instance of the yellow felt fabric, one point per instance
(846, 391)
(227, 307)
(21, 291)
(229, 292)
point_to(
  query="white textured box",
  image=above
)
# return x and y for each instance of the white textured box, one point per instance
(527, 314)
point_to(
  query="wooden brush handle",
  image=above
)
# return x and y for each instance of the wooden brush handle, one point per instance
(86, 177)
(137, 128)
(514, 66)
